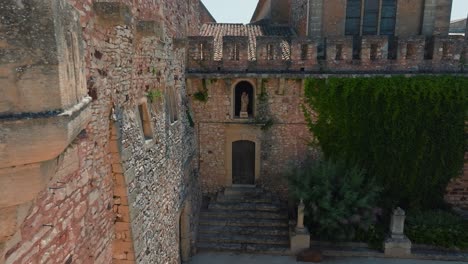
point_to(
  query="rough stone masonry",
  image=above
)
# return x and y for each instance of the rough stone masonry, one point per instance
(94, 104)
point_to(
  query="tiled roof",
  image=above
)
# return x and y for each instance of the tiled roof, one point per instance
(219, 30)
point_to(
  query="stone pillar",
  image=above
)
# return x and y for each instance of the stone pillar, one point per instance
(397, 244)
(300, 237)
(442, 17)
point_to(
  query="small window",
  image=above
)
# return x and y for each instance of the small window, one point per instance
(357, 43)
(371, 17)
(304, 51)
(339, 52)
(243, 100)
(388, 17)
(172, 105)
(353, 18)
(378, 17)
(145, 120)
(321, 50)
(373, 51)
(270, 52)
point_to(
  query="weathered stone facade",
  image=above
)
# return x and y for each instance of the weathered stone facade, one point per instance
(315, 46)
(277, 128)
(116, 192)
(99, 159)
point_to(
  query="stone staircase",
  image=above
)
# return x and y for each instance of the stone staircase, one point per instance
(244, 219)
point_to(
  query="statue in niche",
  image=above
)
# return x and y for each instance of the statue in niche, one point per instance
(244, 105)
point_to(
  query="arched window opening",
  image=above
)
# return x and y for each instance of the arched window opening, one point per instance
(243, 100)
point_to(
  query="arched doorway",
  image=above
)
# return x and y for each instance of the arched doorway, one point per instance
(243, 162)
(243, 87)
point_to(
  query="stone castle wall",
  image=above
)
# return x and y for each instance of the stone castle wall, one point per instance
(82, 210)
(375, 54)
(282, 145)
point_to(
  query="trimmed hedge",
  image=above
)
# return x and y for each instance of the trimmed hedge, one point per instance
(438, 228)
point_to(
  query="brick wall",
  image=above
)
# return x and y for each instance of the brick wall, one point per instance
(128, 51)
(457, 190)
(299, 17)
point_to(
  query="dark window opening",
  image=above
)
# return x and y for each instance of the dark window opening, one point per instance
(388, 17)
(304, 51)
(379, 17)
(371, 17)
(357, 43)
(392, 48)
(429, 48)
(242, 87)
(353, 18)
(339, 52)
(373, 51)
(321, 50)
(145, 120)
(172, 105)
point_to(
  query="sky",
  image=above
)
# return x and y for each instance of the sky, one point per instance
(240, 11)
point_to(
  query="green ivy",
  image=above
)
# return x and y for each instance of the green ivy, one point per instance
(407, 132)
(153, 95)
(190, 119)
(202, 95)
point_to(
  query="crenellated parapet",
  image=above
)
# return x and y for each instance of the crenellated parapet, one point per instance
(335, 54)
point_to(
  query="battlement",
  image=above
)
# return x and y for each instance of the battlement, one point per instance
(209, 54)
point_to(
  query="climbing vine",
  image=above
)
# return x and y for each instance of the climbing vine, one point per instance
(202, 95)
(408, 133)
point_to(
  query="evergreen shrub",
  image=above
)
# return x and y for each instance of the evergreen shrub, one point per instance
(338, 201)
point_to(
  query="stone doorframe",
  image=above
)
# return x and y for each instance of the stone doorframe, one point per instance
(237, 132)
(233, 97)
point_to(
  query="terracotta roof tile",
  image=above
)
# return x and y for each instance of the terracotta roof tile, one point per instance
(219, 30)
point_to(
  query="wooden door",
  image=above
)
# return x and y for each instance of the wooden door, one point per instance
(243, 162)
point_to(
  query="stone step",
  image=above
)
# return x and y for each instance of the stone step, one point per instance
(244, 230)
(243, 247)
(245, 214)
(243, 191)
(245, 239)
(246, 206)
(252, 222)
(246, 198)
